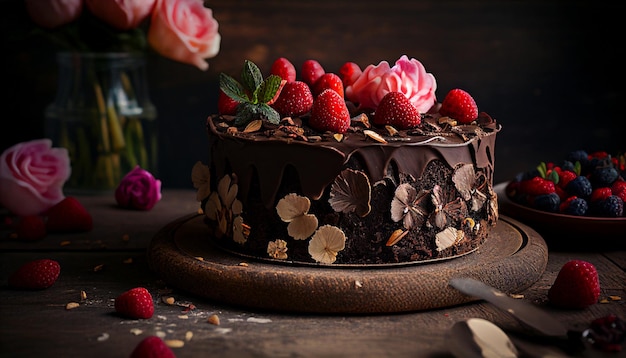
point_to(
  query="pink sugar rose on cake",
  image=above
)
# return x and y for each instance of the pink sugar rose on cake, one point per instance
(407, 76)
(184, 31)
(138, 190)
(123, 15)
(32, 175)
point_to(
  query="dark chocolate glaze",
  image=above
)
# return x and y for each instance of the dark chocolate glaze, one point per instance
(317, 163)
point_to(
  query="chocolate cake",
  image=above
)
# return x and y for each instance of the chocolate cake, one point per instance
(284, 191)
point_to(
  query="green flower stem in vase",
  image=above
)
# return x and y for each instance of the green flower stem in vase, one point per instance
(103, 115)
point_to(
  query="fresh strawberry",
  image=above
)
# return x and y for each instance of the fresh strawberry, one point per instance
(36, 275)
(152, 347)
(330, 113)
(295, 99)
(135, 303)
(537, 186)
(30, 227)
(328, 80)
(349, 72)
(576, 285)
(226, 105)
(311, 72)
(459, 105)
(283, 68)
(69, 215)
(396, 110)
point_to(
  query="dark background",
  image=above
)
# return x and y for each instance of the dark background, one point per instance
(549, 71)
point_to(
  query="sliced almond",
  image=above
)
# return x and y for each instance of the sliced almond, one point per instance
(375, 136)
(214, 319)
(253, 126)
(396, 236)
(338, 137)
(391, 130)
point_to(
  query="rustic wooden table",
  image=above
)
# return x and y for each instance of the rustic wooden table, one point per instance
(112, 259)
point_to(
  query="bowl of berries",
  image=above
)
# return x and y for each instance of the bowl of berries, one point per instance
(581, 197)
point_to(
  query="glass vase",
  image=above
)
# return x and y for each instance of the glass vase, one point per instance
(103, 115)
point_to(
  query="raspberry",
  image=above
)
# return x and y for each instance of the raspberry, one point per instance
(574, 206)
(600, 194)
(537, 186)
(619, 188)
(576, 285)
(566, 176)
(547, 202)
(579, 186)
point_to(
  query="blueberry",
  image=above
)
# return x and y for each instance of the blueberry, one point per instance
(547, 202)
(577, 207)
(577, 156)
(567, 165)
(579, 186)
(603, 176)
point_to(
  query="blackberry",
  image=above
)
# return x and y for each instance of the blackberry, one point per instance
(603, 176)
(576, 206)
(613, 207)
(579, 186)
(547, 202)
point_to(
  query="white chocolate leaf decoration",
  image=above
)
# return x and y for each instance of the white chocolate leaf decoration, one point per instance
(201, 179)
(351, 192)
(326, 243)
(294, 209)
(448, 237)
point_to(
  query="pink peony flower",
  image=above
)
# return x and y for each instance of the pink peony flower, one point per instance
(53, 13)
(407, 76)
(32, 175)
(123, 15)
(184, 31)
(138, 190)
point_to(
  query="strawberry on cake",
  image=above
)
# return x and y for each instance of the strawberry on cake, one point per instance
(358, 167)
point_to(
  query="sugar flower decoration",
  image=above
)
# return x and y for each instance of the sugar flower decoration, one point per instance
(468, 183)
(277, 249)
(32, 175)
(351, 192)
(409, 206)
(326, 243)
(138, 189)
(223, 205)
(294, 209)
(448, 237)
(201, 179)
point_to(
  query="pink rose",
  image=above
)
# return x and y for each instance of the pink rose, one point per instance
(53, 13)
(32, 175)
(407, 76)
(121, 14)
(184, 31)
(138, 190)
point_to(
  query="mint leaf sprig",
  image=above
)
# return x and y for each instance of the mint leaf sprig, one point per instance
(253, 94)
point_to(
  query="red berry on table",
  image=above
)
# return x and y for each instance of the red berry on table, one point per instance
(328, 80)
(226, 105)
(283, 68)
(311, 72)
(152, 347)
(330, 113)
(30, 227)
(349, 72)
(576, 285)
(459, 105)
(135, 303)
(69, 215)
(35, 275)
(295, 99)
(396, 110)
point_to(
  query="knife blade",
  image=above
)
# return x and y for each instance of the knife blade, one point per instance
(526, 313)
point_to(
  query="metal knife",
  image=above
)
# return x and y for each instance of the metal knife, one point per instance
(540, 321)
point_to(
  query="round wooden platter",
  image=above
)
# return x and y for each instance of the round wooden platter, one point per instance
(512, 258)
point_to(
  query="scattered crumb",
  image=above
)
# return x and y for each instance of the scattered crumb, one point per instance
(128, 260)
(615, 298)
(71, 305)
(103, 337)
(188, 335)
(358, 284)
(136, 331)
(83, 295)
(258, 320)
(183, 316)
(199, 258)
(174, 343)
(65, 243)
(168, 300)
(517, 296)
(243, 264)
(98, 268)
(160, 334)
(214, 319)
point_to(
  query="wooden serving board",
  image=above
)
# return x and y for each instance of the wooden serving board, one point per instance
(512, 258)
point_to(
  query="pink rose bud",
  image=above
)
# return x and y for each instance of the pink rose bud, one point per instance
(184, 31)
(53, 13)
(138, 190)
(32, 175)
(123, 15)
(407, 76)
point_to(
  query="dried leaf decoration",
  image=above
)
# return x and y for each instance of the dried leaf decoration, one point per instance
(241, 231)
(326, 243)
(294, 209)
(409, 206)
(351, 192)
(466, 181)
(448, 237)
(201, 179)
(446, 213)
(277, 249)
(223, 205)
